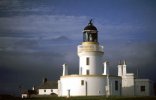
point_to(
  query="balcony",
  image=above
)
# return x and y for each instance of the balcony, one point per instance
(82, 48)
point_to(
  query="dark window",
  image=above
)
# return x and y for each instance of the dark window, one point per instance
(44, 90)
(51, 90)
(87, 72)
(116, 85)
(94, 37)
(87, 61)
(142, 88)
(90, 38)
(82, 82)
(85, 37)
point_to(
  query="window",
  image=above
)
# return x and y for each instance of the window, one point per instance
(87, 72)
(44, 90)
(85, 37)
(87, 61)
(82, 82)
(142, 88)
(116, 85)
(51, 90)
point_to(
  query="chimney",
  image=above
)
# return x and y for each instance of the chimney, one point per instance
(120, 69)
(33, 88)
(65, 69)
(45, 80)
(106, 68)
(124, 62)
(124, 68)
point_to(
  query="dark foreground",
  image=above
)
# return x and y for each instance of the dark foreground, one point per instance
(8, 97)
(95, 98)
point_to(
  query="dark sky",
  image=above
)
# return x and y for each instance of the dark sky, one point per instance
(38, 36)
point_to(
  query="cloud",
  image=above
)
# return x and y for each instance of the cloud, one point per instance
(126, 30)
(43, 25)
(71, 26)
(8, 4)
(23, 6)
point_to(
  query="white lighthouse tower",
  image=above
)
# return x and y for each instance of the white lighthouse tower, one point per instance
(90, 52)
(93, 78)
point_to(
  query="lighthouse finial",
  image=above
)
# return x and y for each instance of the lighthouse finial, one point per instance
(90, 21)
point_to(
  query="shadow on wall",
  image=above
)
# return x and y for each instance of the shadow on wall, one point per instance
(128, 91)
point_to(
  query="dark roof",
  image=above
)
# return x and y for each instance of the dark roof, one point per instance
(25, 92)
(48, 85)
(90, 26)
(29, 92)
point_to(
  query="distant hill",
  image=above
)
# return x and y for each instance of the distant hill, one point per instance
(61, 39)
(42, 42)
(57, 40)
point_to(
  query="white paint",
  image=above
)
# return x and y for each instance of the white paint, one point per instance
(24, 95)
(94, 52)
(108, 87)
(127, 80)
(33, 88)
(47, 91)
(128, 85)
(55, 91)
(124, 68)
(94, 85)
(65, 69)
(106, 68)
(120, 70)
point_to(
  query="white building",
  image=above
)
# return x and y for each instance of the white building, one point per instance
(47, 88)
(24, 95)
(143, 87)
(94, 78)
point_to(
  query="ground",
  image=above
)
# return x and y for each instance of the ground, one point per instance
(8, 97)
(97, 98)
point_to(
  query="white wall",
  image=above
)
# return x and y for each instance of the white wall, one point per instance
(94, 54)
(47, 91)
(128, 85)
(127, 80)
(94, 85)
(148, 87)
(55, 91)
(24, 95)
(95, 64)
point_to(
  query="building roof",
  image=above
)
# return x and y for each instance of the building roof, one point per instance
(90, 26)
(29, 92)
(143, 80)
(48, 85)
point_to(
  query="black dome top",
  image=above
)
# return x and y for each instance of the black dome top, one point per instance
(90, 26)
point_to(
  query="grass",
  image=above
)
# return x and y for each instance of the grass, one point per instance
(8, 97)
(93, 98)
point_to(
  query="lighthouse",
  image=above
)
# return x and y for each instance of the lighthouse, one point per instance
(90, 52)
(94, 78)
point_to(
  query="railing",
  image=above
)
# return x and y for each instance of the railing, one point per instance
(90, 48)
